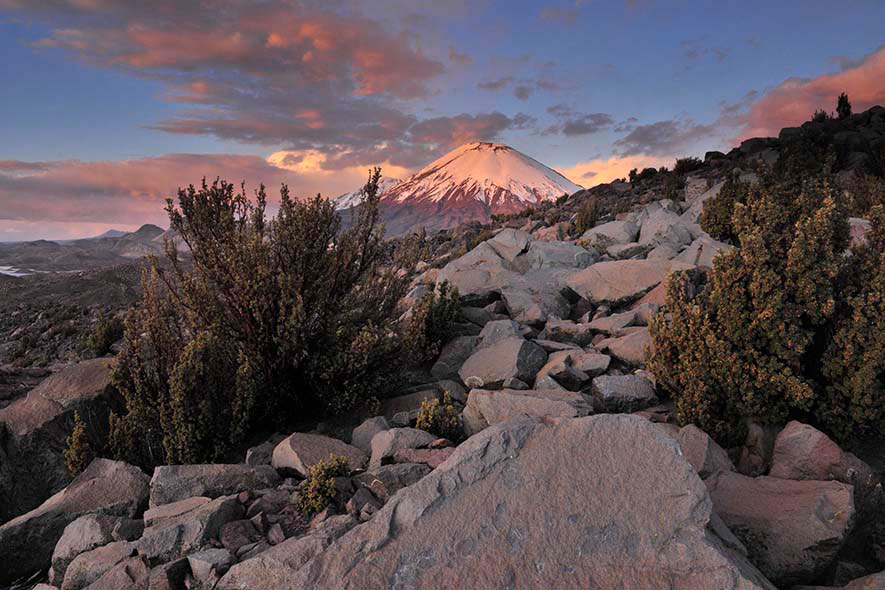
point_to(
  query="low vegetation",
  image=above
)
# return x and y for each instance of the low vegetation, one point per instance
(318, 490)
(78, 452)
(786, 325)
(275, 320)
(441, 418)
(106, 331)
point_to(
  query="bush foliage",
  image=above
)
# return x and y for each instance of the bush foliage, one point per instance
(318, 489)
(273, 319)
(78, 451)
(104, 334)
(786, 325)
(441, 418)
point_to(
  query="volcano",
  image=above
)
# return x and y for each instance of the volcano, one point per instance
(470, 183)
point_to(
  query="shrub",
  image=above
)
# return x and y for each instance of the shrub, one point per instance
(820, 116)
(318, 489)
(441, 418)
(754, 340)
(647, 173)
(843, 107)
(272, 320)
(716, 218)
(107, 330)
(685, 165)
(78, 452)
(588, 215)
(432, 318)
(854, 363)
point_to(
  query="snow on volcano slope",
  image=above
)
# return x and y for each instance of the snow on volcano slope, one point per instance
(352, 199)
(471, 183)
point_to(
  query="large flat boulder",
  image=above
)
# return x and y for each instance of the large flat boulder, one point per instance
(172, 483)
(596, 502)
(105, 487)
(492, 407)
(302, 450)
(37, 427)
(512, 358)
(385, 444)
(621, 281)
(803, 452)
(792, 529)
(663, 226)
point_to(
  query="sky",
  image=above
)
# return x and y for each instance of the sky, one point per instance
(109, 106)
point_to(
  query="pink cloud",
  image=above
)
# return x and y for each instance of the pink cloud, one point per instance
(795, 100)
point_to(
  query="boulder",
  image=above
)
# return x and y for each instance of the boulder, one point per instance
(172, 483)
(403, 409)
(364, 433)
(622, 393)
(663, 226)
(559, 330)
(803, 452)
(631, 348)
(621, 281)
(663, 252)
(131, 573)
(613, 323)
(262, 454)
(211, 564)
(433, 458)
(631, 250)
(554, 254)
(105, 487)
(516, 358)
(186, 529)
(702, 451)
(613, 232)
(88, 567)
(388, 442)
(702, 251)
(452, 356)
(792, 529)
(494, 332)
(755, 454)
(85, 534)
(597, 502)
(560, 372)
(301, 451)
(37, 427)
(491, 407)
(591, 363)
(387, 480)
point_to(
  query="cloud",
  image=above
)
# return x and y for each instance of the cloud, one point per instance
(663, 138)
(794, 101)
(523, 92)
(463, 59)
(134, 191)
(604, 170)
(293, 74)
(496, 84)
(573, 123)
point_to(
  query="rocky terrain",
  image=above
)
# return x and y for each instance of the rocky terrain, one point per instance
(573, 474)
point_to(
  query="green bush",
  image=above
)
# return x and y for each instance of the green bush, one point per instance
(271, 321)
(431, 320)
(716, 218)
(685, 165)
(107, 330)
(441, 418)
(843, 107)
(318, 489)
(78, 452)
(588, 215)
(778, 330)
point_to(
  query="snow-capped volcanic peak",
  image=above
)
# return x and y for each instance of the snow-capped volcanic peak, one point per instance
(348, 200)
(494, 174)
